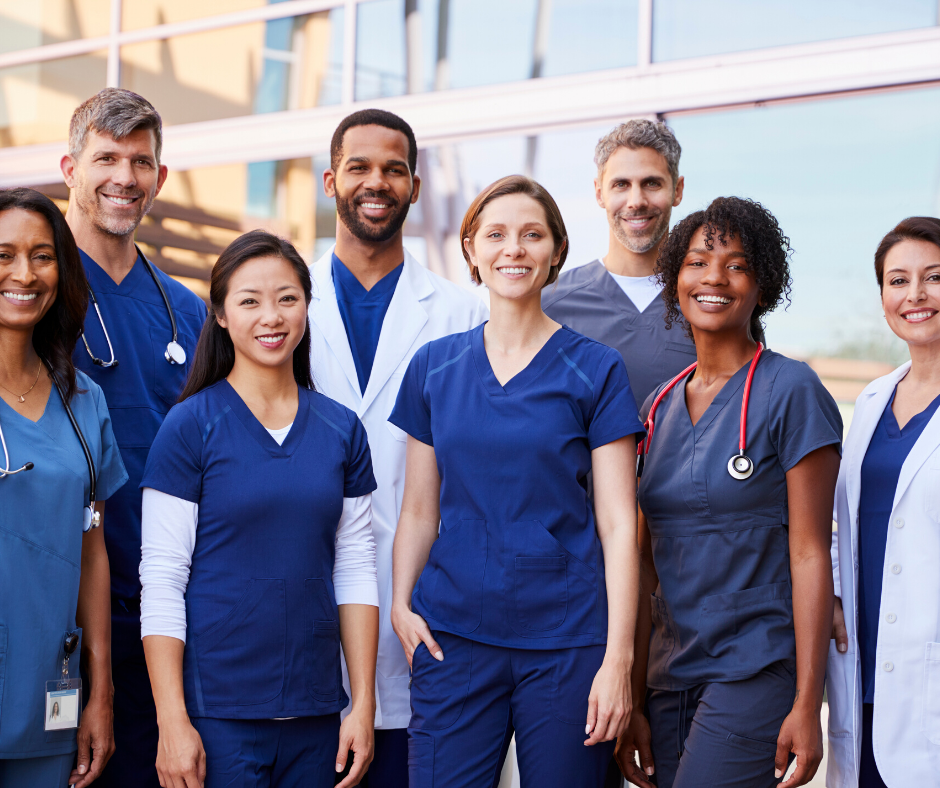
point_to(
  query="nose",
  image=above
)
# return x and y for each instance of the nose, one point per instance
(123, 175)
(271, 316)
(715, 275)
(514, 248)
(376, 180)
(636, 198)
(915, 290)
(22, 272)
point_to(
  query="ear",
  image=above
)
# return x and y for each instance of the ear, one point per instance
(329, 183)
(557, 256)
(415, 189)
(599, 193)
(220, 319)
(67, 165)
(680, 188)
(469, 247)
(162, 172)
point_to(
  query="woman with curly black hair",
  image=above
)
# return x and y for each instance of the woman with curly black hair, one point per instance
(736, 508)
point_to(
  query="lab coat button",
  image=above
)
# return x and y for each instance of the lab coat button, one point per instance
(889, 666)
(895, 569)
(891, 618)
(898, 522)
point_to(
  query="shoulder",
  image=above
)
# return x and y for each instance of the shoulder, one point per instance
(88, 394)
(329, 408)
(788, 372)
(181, 297)
(571, 281)
(199, 409)
(577, 344)
(885, 381)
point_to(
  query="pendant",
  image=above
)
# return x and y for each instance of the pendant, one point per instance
(22, 398)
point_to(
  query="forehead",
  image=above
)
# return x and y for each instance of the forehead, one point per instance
(513, 209)
(636, 163)
(138, 142)
(376, 143)
(909, 254)
(731, 244)
(264, 272)
(18, 225)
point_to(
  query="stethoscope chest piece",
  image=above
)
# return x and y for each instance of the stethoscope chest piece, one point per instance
(175, 353)
(740, 466)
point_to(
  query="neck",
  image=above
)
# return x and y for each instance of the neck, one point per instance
(369, 262)
(115, 254)
(925, 365)
(18, 357)
(623, 262)
(515, 324)
(259, 384)
(721, 355)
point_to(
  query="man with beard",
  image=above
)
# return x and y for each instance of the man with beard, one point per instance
(373, 307)
(616, 300)
(114, 173)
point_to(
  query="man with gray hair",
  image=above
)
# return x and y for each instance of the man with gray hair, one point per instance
(616, 300)
(140, 332)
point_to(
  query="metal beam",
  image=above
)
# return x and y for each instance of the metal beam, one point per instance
(534, 106)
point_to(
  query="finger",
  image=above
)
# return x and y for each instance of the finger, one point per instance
(342, 754)
(646, 757)
(435, 650)
(599, 733)
(781, 757)
(591, 716)
(84, 756)
(841, 636)
(354, 776)
(635, 776)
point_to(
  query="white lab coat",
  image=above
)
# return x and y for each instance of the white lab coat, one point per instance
(906, 732)
(424, 307)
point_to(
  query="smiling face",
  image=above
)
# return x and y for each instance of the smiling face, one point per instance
(29, 270)
(373, 185)
(513, 247)
(637, 192)
(114, 182)
(264, 312)
(911, 292)
(716, 290)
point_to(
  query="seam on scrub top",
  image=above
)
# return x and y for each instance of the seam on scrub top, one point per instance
(454, 360)
(576, 368)
(213, 421)
(332, 424)
(37, 545)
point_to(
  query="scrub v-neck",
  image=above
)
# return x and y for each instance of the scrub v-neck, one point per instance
(727, 391)
(101, 281)
(258, 431)
(524, 376)
(616, 294)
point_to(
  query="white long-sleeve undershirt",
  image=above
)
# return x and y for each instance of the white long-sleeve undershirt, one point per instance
(169, 537)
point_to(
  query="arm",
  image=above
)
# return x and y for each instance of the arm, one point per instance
(810, 489)
(93, 615)
(609, 704)
(418, 526)
(637, 737)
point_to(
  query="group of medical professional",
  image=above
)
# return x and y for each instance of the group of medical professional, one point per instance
(363, 530)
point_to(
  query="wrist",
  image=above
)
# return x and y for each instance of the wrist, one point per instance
(809, 702)
(173, 715)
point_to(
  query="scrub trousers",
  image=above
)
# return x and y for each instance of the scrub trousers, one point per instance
(50, 772)
(270, 753)
(466, 709)
(721, 733)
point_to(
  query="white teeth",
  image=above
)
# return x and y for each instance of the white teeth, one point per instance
(707, 299)
(120, 200)
(22, 296)
(515, 270)
(637, 221)
(271, 340)
(919, 315)
(373, 205)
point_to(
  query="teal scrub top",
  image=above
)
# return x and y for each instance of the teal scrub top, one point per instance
(40, 556)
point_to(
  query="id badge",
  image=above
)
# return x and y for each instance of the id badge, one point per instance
(63, 704)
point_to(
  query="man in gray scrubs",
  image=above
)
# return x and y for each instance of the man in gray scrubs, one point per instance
(616, 300)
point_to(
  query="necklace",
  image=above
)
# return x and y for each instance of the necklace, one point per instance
(22, 397)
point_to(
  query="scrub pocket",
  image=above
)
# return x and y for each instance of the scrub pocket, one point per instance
(748, 625)
(420, 762)
(439, 690)
(321, 650)
(541, 591)
(931, 722)
(242, 656)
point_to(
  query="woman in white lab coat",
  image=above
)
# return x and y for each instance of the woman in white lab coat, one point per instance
(883, 674)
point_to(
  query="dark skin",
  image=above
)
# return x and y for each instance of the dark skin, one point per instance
(717, 295)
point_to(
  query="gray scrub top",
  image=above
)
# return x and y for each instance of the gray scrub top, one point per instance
(589, 300)
(41, 555)
(723, 610)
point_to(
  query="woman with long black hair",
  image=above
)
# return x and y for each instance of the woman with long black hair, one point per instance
(258, 557)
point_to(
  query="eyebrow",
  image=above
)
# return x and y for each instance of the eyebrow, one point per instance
(107, 152)
(253, 290)
(43, 244)
(904, 270)
(367, 160)
(732, 253)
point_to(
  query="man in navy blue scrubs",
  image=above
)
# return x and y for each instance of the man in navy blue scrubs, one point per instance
(616, 300)
(114, 173)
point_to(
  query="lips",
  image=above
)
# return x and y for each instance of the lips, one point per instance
(919, 315)
(121, 200)
(271, 341)
(718, 300)
(514, 271)
(20, 297)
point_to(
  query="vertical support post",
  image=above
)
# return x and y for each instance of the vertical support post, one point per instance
(543, 19)
(644, 35)
(413, 48)
(348, 92)
(114, 48)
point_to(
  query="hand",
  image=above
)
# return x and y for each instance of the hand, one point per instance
(636, 739)
(801, 734)
(181, 758)
(95, 741)
(609, 704)
(839, 634)
(413, 630)
(356, 734)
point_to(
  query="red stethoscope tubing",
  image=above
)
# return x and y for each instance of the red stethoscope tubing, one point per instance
(644, 447)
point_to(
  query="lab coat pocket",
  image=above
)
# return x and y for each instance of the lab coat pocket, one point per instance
(840, 691)
(931, 722)
(321, 649)
(541, 591)
(451, 587)
(241, 658)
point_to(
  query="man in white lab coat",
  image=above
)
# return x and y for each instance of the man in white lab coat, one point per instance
(373, 307)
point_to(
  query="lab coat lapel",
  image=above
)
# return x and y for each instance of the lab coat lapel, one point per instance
(403, 322)
(324, 313)
(921, 451)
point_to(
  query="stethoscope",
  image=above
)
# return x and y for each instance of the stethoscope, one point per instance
(174, 350)
(740, 466)
(91, 518)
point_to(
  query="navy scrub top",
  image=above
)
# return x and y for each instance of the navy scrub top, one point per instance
(41, 516)
(723, 610)
(363, 312)
(518, 562)
(140, 390)
(881, 469)
(588, 299)
(262, 630)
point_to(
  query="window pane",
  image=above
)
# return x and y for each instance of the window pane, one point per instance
(291, 63)
(136, 14)
(37, 101)
(25, 24)
(691, 28)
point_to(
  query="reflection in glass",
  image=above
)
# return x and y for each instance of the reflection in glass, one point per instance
(25, 24)
(136, 14)
(691, 28)
(37, 100)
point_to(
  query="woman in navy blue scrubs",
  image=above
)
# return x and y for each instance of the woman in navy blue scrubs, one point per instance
(508, 618)
(737, 563)
(258, 556)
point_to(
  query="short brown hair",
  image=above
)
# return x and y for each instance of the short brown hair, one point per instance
(914, 228)
(515, 184)
(117, 113)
